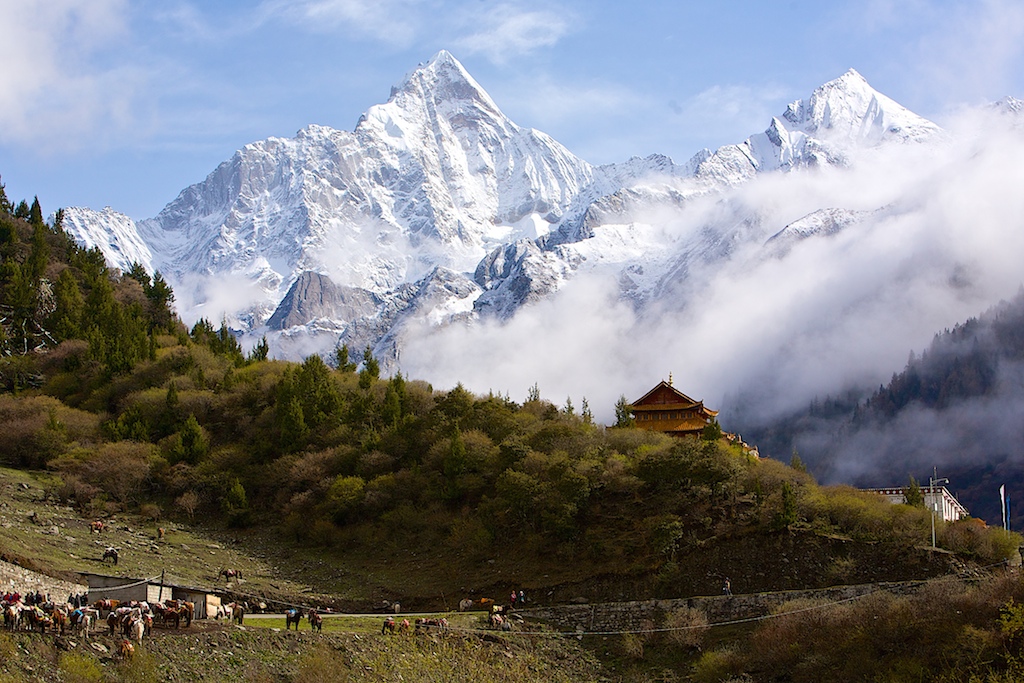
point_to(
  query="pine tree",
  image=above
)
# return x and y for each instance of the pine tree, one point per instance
(5, 203)
(912, 495)
(623, 413)
(370, 371)
(260, 352)
(39, 253)
(65, 322)
(796, 463)
(35, 213)
(342, 357)
(588, 417)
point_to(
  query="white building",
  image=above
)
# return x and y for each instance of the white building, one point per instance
(937, 498)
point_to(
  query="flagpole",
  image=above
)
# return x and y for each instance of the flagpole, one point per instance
(1002, 503)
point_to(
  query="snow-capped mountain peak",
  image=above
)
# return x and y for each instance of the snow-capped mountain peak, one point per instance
(437, 207)
(848, 110)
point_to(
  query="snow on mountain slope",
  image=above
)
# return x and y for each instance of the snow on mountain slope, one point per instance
(437, 208)
(113, 233)
(841, 115)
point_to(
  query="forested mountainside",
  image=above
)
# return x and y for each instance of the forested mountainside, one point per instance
(956, 407)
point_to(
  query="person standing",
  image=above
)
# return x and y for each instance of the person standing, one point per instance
(727, 586)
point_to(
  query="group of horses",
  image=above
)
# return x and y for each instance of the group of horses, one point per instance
(294, 616)
(135, 619)
(392, 626)
(53, 616)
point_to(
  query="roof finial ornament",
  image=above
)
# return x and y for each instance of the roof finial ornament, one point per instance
(670, 379)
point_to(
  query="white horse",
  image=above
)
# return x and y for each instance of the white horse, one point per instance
(138, 628)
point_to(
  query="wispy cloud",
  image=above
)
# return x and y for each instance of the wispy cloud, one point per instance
(55, 85)
(506, 31)
(390, 21)
(729, 113)
(948, 51)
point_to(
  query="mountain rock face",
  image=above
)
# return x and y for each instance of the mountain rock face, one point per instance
(437, 208)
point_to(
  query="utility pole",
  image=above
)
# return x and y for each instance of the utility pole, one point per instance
(932, 481)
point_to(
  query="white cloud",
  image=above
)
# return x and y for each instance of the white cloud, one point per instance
(835, 312)
(505, 31)
(54, 87)
(729, 113)
(390, 21)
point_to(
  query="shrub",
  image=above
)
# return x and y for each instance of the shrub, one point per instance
(689, 626)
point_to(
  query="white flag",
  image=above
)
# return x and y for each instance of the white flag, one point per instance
(1002, 502)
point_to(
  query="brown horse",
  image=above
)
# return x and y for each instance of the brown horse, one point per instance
(229, 574)
(316, 622)
(238, 615)
(102, 606)
(96, 527)
(292, 616)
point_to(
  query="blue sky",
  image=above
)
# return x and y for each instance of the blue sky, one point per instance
(126, 102)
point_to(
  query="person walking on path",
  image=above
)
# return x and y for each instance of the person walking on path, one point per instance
(727, 587)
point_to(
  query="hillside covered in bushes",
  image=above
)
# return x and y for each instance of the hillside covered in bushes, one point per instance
(366, 485)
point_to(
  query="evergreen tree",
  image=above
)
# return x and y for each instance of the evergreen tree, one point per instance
(171, 399)
(787, 513)
(342, 357)
(317, 393)
(796, 463)
(712, 431)
(370, 371)
(292, 424)
(39, 253)
(22, 211)
(623, 413)
(35, 213)
(5, 203)
(533, 394)
(193, 444)
(912, 494)
(260, 352)
(65, 322)
(588, 417)
(569, 410)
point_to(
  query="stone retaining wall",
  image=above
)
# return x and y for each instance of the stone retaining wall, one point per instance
(633, 616)
(15, 578)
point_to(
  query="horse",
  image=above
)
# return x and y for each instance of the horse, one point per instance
(137, 627)
(59, 620)
(430, 622)
(316, 622)
(126, 649)
(292, 616)
(96, 527)
(12, 616)
(229, 574)
(82, 619)
(238, 614)
(34, 617)
(465, 605)
(106, 606)
(110, 553)
(168, 614)
(160, 533)
(389, 625)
